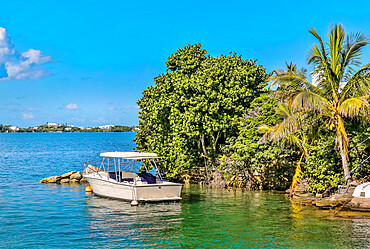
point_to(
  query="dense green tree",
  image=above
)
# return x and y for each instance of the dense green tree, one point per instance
(198, 103)
(269, 164)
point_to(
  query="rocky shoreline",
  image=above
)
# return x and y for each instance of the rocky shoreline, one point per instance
(342, 199)
(72, 177)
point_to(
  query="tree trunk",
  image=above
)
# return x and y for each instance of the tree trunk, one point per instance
(206, 157)
(344, 157)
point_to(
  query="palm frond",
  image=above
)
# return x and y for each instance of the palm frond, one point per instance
(320, 58)
(352, 107)
(353, 49)
(283, 110)
(336, 38)
(307, 100)
(319, 54)
(290, 77)
(290, 125)
(357, 84)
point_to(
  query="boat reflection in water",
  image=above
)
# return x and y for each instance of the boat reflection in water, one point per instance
(117, 222)
(215, 218)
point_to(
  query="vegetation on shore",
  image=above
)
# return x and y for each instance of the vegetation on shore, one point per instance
(195, 107)
(214, 114)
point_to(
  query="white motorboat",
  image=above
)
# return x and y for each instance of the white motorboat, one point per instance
(114, 178)
(362, 191)
(361, 198)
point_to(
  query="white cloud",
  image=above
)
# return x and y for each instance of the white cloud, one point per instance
(78, 119)
(18, 66)
(130, 107)
(30, 109)
(71, 106)
(99, 120)
(111, 109)
(28, 116)
(6, 47)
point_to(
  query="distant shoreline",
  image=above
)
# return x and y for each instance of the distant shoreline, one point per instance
(62, 128)
(68, 132)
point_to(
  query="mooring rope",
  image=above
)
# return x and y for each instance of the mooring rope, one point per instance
(359, 144)
(328, 189)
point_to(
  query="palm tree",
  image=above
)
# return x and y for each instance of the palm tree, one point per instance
(340, 88)
(293, 131)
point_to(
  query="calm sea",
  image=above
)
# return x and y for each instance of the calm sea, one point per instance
(34, 215)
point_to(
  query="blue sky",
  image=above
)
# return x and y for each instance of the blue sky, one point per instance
(87, 62)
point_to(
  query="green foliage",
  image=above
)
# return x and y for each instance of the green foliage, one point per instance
(323, 167)
(359, 148)
(192, 108)
(272, 162)
(3, 128)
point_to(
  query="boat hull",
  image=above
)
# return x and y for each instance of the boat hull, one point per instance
(166, 191)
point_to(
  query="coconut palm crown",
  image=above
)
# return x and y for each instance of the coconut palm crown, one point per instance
(340, 86)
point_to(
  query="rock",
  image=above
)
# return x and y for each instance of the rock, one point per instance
(90, 169)
(83, 181)
(303, 187)
(67, 175)
(64, 181)
(354, 183)
(304, 195)
(76, 176)
(51, 179)
(359, 204)
(318, 195)
(223, 184)
(332, 201)
(346, 190)
(74, 181)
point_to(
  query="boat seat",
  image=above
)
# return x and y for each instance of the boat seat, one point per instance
(147, 177)
(125, 174)
(103, 174)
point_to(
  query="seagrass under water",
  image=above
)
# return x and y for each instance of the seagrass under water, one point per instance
(34, 215)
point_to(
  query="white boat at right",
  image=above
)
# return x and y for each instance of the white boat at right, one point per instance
(362, 191)
(361, 198)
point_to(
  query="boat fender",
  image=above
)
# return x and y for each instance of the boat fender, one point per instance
(89, 189)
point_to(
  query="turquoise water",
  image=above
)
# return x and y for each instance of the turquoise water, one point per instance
(34, 215)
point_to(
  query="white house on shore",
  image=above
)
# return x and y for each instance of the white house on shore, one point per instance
(106, 127)
(52, 124)
(14, 128)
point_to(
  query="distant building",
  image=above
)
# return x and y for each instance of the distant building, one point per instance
(82, 128)
(71, 125)
(14, 128)
(136, 129)
(67, 128)
(52, 124)
(106, 127)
